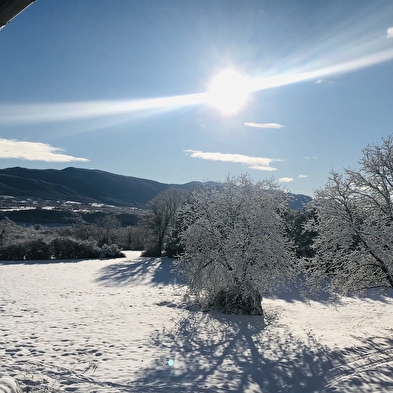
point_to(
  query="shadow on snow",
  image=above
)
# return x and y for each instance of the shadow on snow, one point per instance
(138, 270)
(240, 354)
(220, 353)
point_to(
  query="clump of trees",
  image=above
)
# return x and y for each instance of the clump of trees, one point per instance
(235, 242)
(354, 223)
(42, 243)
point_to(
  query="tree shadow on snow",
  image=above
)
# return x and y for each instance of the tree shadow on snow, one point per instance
(157, 271)
(239, 354)
(298, 292)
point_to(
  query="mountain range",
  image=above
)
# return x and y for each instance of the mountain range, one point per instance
(90, 186)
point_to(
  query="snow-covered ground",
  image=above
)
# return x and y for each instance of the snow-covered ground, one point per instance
(121, 326)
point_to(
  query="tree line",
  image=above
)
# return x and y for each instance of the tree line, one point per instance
(103, 239)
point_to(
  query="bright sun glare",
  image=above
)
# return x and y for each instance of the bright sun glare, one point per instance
(228, 91)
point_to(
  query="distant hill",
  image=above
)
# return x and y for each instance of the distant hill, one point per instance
(299, 201)
(89, 186)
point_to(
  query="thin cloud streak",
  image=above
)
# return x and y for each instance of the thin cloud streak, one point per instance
(264, 125)
(34, 151)
(257, 163)
(303, 176)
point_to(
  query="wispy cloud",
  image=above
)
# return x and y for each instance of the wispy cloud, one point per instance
(34, 151)
(285, 179)
(389, 32)
(257, 163)
(303, 176)
(264, 125)
(311, 158)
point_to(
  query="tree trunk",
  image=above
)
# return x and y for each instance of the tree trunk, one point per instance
(160, 244)
(233, 301)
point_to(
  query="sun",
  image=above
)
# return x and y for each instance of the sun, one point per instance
(228, 91)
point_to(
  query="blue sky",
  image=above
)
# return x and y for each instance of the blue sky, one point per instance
(121, 86)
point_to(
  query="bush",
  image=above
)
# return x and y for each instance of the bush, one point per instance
(111, 251)
(68, 248)
(37, 249)
(152, 252)
(30, 250)
(12, 252)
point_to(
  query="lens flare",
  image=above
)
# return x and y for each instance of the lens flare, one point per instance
(228, 91)
(68, 111)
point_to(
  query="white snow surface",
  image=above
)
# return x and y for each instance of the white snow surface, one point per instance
(122, 325)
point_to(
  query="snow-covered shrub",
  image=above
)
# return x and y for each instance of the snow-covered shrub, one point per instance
(111, 251)
(235, 244)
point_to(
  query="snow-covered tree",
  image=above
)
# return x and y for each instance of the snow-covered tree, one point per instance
(160, 217)
(354, 246)
(235, 244)
(107, 230)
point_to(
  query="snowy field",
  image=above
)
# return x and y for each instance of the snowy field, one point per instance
(122, 326)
